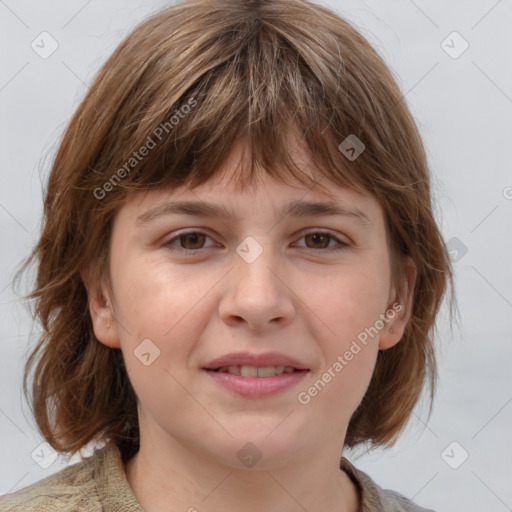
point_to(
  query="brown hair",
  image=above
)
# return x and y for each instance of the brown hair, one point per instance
(187, 84)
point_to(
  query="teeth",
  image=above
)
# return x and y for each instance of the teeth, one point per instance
(254, 371)
(248, 371)
(267, 371)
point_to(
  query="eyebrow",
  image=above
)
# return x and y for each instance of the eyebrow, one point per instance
(293, 209)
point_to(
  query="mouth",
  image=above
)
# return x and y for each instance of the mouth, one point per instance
(254, 375)
(255, 371)
(252, 382)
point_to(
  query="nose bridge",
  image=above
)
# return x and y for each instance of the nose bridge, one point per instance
(256, 259)
(256, 294)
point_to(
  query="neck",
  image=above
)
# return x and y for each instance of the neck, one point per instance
(177, 479)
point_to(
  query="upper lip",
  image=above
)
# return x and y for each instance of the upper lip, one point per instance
(260, 360)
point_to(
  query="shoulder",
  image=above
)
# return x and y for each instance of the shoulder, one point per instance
(399, 503)
(71, 489)
(376, 499)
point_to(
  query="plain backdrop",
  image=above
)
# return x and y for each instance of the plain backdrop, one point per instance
(459, 88)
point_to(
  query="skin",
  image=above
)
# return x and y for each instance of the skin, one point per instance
(296, 298)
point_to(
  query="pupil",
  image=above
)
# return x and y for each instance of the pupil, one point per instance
(193, 236)
(316, 238)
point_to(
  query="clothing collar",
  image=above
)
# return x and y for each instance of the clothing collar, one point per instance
(370, 494)
(114, 491)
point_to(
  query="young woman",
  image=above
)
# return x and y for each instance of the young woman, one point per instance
(239, 270)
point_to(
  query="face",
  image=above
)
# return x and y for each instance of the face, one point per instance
(311, 292)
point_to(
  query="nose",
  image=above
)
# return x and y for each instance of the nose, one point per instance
(257, 294)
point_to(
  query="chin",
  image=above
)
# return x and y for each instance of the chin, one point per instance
(268, 447)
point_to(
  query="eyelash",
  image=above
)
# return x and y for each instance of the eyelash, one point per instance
(190, 252)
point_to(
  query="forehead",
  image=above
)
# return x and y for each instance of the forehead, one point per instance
(228, 193)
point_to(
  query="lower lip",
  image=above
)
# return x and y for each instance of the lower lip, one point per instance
(257, 386)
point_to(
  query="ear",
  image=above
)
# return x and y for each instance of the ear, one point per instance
(400, 307)
(101, 310)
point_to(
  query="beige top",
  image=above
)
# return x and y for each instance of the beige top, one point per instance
(99, 484)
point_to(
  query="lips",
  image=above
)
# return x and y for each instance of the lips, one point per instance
(256, 375)
(249, 360)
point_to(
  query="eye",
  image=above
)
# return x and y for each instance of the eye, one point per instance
(189, 241)
(192, 241)
(323, 238)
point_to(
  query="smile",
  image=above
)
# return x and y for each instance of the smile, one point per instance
(255, 382)
(256, 371)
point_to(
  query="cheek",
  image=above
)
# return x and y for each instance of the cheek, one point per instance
(347, 302)
(348, 308)
(163, 315)
(155, 299)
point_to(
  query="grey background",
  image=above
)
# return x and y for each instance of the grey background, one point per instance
(463, 107)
